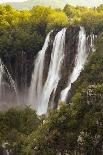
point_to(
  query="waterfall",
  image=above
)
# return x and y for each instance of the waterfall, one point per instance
(12, 82)
(1, 75)
(4, 71)
(54, 71)
(1, 71)
(92, 38)
(41, 94)
(79, 63)
(37, 76)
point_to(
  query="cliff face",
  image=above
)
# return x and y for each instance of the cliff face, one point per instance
(71, 43)
(21, 67)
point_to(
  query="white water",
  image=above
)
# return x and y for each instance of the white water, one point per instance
(36, 82)
(12, 82)
(54, 71)
(1, 72)
(92, 37)
(79, 63)
(1, 76)
(4, 70)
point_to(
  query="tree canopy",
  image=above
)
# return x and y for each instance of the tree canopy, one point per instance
(74, 128)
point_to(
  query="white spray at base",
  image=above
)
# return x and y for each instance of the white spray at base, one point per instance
(37, 76)
(80, 60)
(54, 73)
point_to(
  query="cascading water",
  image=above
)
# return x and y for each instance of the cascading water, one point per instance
(3, 84)
(39, 95)
(12, 82)
(1, 72)
(36, 83)
(1, 75)
(54, 71)
(92, 38)
(79, 63)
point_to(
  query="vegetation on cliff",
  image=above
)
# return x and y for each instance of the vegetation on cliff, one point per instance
(26, 30)
(76, 126)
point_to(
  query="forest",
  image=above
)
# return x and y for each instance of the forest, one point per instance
(73, 129)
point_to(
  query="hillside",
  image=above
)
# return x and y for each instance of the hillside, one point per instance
(30, 3)
(53, 3)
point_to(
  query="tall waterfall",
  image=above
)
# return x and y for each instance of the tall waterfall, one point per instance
(36, 83)
(39, 95)
(79, 63)
(54, 71)
(46, 89)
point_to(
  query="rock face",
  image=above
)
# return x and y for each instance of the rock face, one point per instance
(21, 67)
(71, 43)
(69, 60)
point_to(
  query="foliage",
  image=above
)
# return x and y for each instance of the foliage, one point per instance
(55, 135)
(92, 19)
(25, 31)
(75, 128)
(15, 126)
